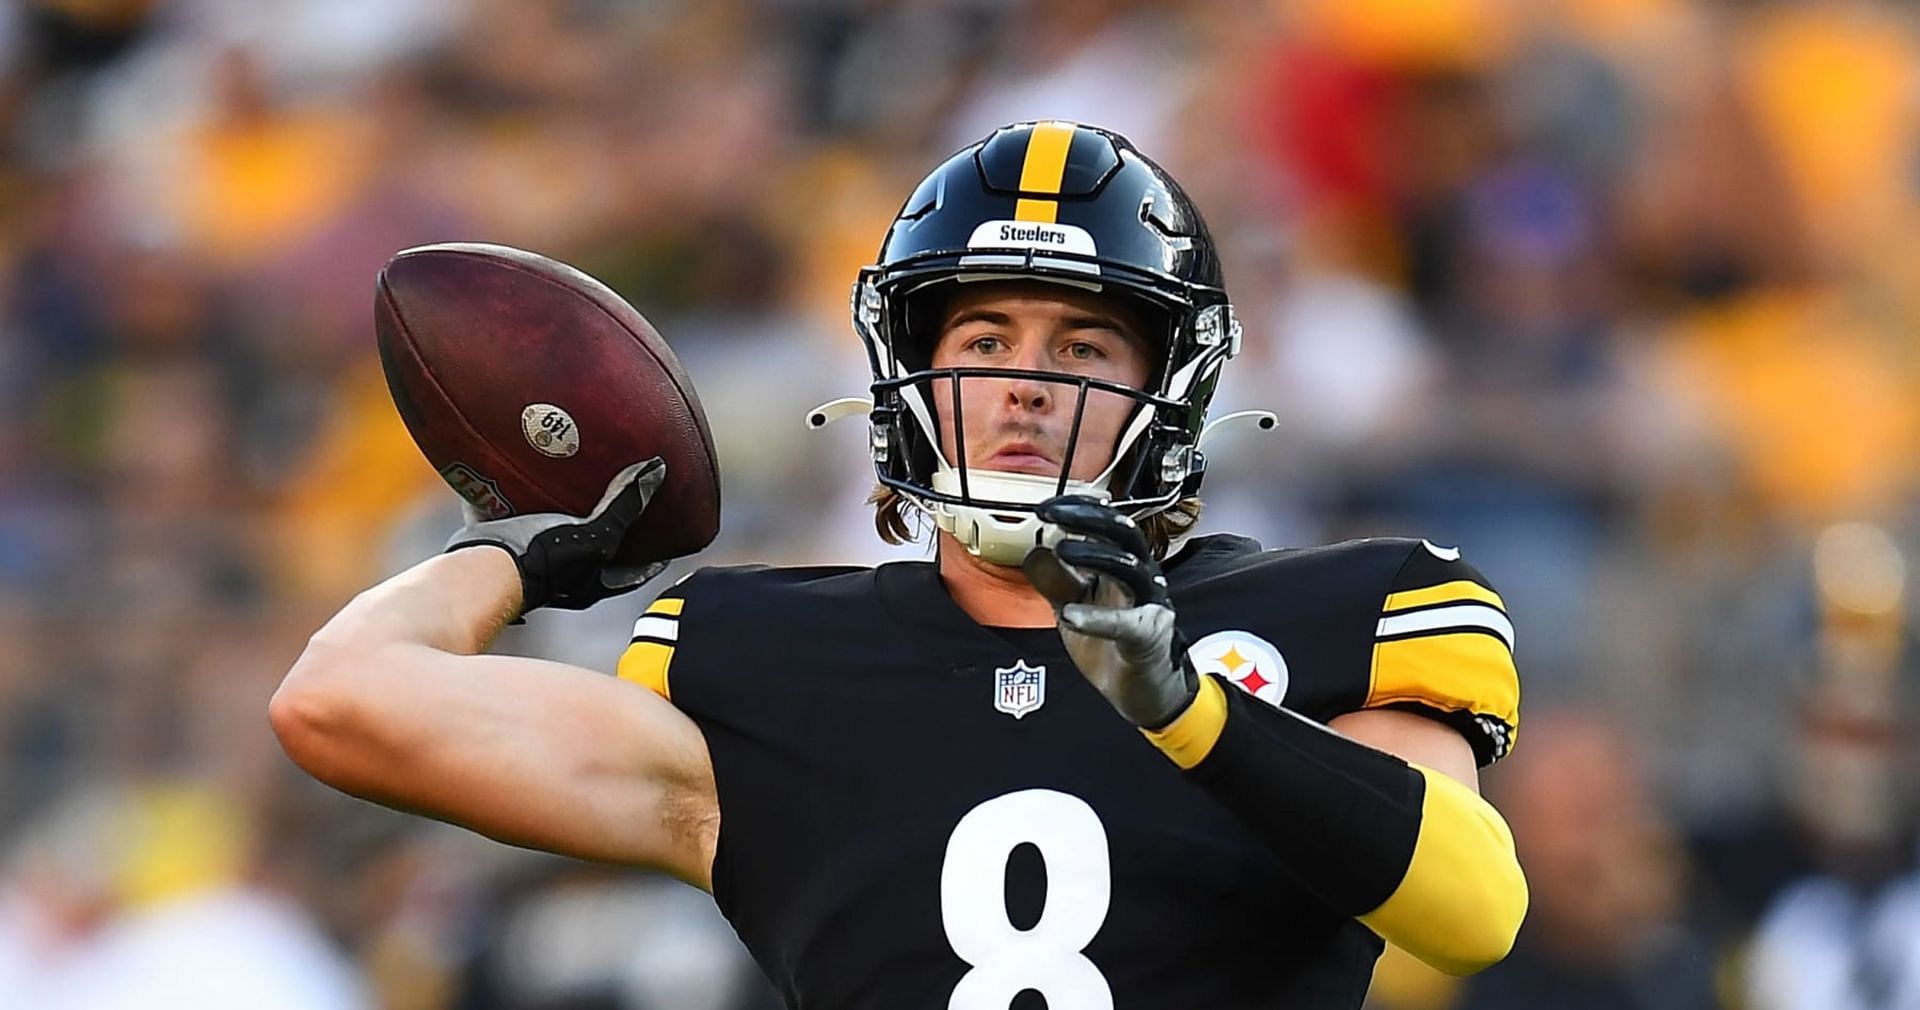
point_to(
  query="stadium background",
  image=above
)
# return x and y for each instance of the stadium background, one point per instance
(1619, 295)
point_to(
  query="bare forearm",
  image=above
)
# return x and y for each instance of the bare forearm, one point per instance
(390, 703)
(456, 602)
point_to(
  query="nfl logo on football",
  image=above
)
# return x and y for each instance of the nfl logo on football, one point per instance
(1019, 689)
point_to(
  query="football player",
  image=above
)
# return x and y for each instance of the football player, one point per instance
(1059, 762)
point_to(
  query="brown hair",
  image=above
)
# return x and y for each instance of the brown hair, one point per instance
(899, 521)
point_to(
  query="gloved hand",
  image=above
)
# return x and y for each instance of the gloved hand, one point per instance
(1110, 598)
(563, 559)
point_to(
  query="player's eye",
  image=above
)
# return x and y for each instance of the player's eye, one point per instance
(1081, 350)
(986, 344)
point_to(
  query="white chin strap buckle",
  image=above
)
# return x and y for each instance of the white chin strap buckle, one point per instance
(1001, 536)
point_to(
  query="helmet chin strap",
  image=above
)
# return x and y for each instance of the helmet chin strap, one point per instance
(1000, 537)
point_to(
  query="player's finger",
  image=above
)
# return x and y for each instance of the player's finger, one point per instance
(1137, 625)
(653, 474)
(1055, 581)
(1099, 622)
(1088, 517)
(1145, 584)
(627, 493)
(626, 578)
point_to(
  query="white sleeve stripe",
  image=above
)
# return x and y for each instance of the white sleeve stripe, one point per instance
(657, 626)
(1465, 615)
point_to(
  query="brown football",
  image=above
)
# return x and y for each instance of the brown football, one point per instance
(529, 385)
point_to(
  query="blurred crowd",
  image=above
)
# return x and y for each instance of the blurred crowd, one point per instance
(1621, 296)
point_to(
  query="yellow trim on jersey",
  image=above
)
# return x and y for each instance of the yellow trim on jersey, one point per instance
(1457, 671)
(1463, 895)
(645, 663)
(1041, 172)
(1458, 591)
(1190, 737)
(671, 605)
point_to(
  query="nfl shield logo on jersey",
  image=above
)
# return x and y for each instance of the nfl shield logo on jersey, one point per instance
(1019, 689)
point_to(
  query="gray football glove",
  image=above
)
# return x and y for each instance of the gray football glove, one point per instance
(1110, 599)
(563, 559)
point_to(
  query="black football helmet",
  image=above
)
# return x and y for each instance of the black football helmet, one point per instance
(1057, 202)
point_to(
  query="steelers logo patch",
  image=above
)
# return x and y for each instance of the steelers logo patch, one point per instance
(1246, 660)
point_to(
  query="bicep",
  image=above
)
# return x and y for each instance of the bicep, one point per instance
(1413, 738)
(526, 751)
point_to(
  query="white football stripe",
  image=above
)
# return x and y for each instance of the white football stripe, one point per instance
(657, 626)
(1466, 615)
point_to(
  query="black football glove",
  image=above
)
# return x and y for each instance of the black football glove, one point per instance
(1110, 598)
(563, 559)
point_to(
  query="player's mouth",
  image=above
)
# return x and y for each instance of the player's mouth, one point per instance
(1023, 457)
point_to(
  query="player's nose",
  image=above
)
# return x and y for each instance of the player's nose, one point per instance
(1031, 394)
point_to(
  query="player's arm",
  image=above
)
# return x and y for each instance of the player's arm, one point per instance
(1386, 836)
(391, 702)
(1410, 850)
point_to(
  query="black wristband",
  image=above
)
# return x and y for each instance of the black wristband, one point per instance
(1342, 816)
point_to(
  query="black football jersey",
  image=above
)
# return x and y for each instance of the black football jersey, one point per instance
(919, 811)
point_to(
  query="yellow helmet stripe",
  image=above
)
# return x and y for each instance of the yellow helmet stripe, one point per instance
(1045, 165)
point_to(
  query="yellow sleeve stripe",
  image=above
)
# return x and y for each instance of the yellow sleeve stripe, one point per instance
(645, 663)
(1463, 895)
(670, 605)
(1458, 591)
(1461, 671)
(1189, 738)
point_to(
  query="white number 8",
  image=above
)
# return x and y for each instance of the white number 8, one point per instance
(1049, 957)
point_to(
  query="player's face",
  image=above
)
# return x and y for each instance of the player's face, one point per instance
(1022, 425)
